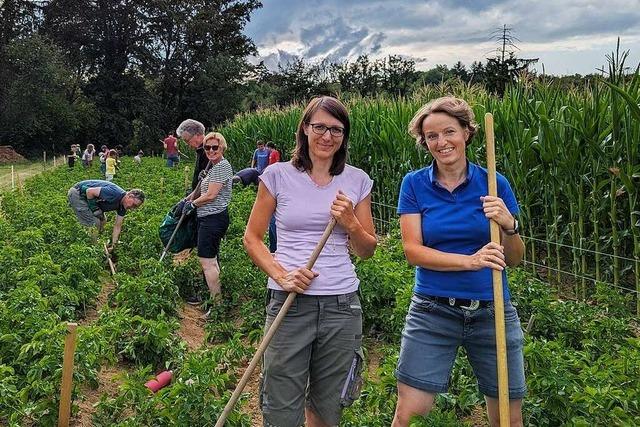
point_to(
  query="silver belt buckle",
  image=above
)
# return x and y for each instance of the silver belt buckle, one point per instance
(475, 304)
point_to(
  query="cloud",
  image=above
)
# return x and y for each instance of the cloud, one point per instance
(444, 31)
(339, 41)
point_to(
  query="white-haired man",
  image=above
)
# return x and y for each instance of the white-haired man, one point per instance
(192, 132)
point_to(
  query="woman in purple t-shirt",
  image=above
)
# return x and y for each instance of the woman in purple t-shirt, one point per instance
(318, 343)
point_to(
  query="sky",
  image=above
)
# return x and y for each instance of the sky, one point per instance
(567, 36)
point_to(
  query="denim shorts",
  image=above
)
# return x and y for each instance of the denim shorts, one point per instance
(433, 332)
(309, 358)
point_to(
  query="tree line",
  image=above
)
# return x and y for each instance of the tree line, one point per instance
(126, 71)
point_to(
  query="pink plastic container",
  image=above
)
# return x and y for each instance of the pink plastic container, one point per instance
(162, 380)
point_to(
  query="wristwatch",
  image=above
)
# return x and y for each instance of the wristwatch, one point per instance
(514, 230)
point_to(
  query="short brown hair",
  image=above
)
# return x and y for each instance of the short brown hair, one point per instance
(300, 158)
(449, 105)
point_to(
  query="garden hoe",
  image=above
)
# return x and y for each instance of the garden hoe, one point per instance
(498, 300)
(272, 330)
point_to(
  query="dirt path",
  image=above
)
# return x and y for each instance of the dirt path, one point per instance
(22, 172)
(191, 326)
(107, 376)
(252, 405)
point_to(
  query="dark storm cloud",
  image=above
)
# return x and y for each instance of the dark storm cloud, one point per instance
(339, 30)
(338, 40)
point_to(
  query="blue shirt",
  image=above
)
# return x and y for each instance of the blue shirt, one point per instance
(454, 222)
(110, 197)
(261, 156)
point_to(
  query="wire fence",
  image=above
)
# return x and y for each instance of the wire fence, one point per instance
(385, 218)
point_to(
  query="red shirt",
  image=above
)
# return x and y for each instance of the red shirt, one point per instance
(172, 149)
(274, 157)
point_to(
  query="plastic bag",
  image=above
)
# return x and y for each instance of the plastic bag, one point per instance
(187, 235)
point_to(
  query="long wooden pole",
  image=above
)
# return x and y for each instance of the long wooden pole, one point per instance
(272, 330)
(112, 266)
(64, 410)
(498, 299)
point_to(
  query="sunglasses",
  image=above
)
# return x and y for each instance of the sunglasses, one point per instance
(211, 147)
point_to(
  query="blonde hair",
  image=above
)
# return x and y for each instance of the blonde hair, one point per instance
(449, 105)
(219, 137)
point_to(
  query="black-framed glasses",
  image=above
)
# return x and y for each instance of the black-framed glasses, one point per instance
(210, 147)
(320, 129)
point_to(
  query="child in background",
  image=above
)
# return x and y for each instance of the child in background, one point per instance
(104, 153)
(111, 165)
(274, 155)
(138, 157)
(87, 156)
(71, 157)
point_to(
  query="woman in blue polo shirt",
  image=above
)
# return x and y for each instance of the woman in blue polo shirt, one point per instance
(444, 217)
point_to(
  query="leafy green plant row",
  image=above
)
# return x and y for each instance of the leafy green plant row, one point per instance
(571, 155)
(582, 357)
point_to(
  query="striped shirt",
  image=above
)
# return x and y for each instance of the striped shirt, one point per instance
(219, 173)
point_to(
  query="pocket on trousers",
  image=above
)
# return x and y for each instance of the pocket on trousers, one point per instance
(352, 386)
(422, 305)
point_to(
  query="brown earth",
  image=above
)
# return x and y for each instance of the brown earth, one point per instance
(191, 326)
(9, 155)
(108, 382)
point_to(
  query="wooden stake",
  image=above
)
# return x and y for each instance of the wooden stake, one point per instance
(498, 298)
(13, 179)
(64, 410)
(44, 159)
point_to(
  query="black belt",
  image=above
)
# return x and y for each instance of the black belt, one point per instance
(465, 303)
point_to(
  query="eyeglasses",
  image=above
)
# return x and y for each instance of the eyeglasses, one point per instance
(321, 129)
(210, 147)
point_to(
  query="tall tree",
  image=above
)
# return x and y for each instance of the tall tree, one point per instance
(505, 66)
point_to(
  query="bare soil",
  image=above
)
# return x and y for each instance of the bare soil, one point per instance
(477, 417)
(9, 155)
(252, 407)
(108, 383)
(191, 326)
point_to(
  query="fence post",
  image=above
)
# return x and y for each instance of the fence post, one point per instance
(67, 376)
(44, 159)
(13, 179)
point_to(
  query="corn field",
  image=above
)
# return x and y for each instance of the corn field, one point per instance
(572, 157)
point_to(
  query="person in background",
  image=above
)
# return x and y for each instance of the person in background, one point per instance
(138, 157)
(77, 150)
(274, 154)
(308, 363)
(71, 157)
(444, 219)
(87, 156)
(274, 157)
(111, 164)
(170, 144)
(104, 153)
(90, 199)
(192, 132)
(211, 208)
(246, 176)
(260, 159)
